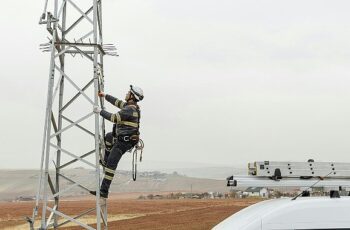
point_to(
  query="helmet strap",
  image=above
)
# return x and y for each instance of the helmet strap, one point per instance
(132, 99)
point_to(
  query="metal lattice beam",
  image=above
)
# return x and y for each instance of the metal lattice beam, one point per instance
(56, 146)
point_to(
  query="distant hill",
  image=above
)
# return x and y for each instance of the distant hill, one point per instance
(190, 169)
(217, 173)
(16, 183)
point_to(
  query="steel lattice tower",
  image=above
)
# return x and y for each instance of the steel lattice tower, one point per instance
(74, 30)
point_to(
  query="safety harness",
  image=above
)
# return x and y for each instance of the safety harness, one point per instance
(135, 150)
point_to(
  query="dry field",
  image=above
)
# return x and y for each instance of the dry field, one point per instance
(137, 214)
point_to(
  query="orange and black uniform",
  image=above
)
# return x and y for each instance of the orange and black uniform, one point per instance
(127, 122)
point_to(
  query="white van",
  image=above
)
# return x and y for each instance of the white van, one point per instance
(303, 213)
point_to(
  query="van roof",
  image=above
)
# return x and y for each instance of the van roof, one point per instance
(288, 211)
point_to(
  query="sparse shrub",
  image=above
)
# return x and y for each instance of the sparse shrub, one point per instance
(141, 197)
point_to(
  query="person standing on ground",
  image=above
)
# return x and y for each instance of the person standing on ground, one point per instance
(126, 126)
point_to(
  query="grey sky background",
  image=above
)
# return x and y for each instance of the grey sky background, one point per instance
(225, 82)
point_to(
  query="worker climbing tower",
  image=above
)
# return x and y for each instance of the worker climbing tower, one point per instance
(73, 133)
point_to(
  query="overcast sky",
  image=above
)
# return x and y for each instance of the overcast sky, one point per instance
(226, 82)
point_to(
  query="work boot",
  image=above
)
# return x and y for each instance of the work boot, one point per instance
(102, 194)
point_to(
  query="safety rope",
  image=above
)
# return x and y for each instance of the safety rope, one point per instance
(100, 85)
(138, 147)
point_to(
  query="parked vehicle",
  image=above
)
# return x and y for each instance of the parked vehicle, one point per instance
(302, 213)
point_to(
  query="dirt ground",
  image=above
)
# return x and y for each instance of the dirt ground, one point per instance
(137, 214)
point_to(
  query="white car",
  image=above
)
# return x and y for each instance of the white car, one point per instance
(303, 213)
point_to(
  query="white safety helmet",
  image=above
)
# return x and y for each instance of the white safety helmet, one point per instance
(137, 92)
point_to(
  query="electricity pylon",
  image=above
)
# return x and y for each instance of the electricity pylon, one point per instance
(75, 29)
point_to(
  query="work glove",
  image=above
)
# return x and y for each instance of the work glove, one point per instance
(97, 109)
(101, 94)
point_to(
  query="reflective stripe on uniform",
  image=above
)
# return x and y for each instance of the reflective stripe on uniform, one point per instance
(115, 118)
(119, 103)
(109, 170)
(108, 177)
(135, 114)
(118, 117)
(132, 124)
